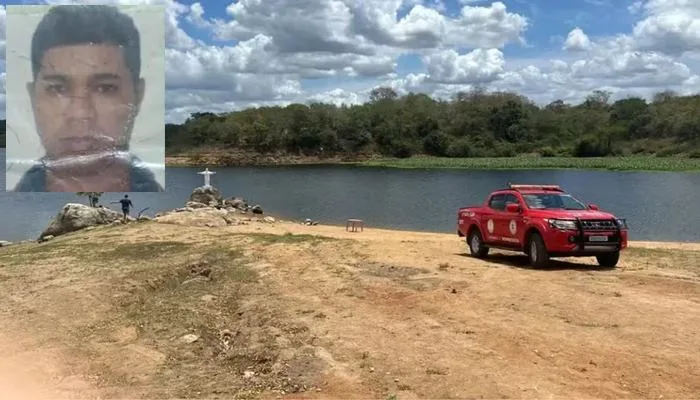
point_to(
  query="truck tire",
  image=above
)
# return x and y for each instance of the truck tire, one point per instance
(537, 251)
(608, 260)
(476, 244)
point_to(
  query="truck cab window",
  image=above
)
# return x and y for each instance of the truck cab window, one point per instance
(497, 202)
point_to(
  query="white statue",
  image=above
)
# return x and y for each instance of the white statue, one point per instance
(207, 176)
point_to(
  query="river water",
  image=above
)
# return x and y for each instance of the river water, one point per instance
(659, 206)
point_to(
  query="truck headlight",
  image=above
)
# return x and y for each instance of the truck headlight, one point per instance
(562, 224)
(622, 223)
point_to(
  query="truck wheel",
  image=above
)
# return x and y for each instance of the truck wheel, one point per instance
(608, 260)
(476, 244)
(537, 251)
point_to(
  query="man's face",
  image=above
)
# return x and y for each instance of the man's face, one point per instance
(84, 100)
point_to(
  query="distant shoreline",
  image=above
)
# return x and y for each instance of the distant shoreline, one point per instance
(631, 163)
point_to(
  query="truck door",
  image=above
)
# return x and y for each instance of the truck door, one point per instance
(493, 219)
(511, 225)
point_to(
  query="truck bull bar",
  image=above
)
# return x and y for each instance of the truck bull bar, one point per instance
(581, 237)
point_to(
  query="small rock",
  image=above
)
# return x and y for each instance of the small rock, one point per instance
(198, 278)
(195, 205)
(208, 297)
(371, 369)
(248, 374)
(256, 209)
(5, 243)
(189, 338)
(46, 238)
(454, 291)
(269, 219)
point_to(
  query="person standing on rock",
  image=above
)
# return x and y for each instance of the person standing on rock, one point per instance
(126, 205)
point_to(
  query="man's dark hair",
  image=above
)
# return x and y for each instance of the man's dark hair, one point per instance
(126, 196)
(67, 25)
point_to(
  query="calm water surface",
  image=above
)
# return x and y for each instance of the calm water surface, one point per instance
(659, 206)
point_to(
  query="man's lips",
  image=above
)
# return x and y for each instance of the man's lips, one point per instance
(86, 144)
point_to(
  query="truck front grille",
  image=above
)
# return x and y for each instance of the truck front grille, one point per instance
(598, 225)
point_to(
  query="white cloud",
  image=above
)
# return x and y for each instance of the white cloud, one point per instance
(283, 51)
(577, 40)
(477, 66)
(670, 26)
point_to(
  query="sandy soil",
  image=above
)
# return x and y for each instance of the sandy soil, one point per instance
(305, 312)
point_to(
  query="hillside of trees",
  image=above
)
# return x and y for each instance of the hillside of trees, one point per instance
(473, 124)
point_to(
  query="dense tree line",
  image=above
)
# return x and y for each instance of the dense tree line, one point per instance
(471, 124)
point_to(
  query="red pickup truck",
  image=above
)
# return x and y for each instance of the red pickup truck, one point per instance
(542, 221)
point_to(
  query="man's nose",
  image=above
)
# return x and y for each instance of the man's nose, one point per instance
(80, 108)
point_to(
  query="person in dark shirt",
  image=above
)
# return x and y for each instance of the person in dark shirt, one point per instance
(126, 205)
(85, 95)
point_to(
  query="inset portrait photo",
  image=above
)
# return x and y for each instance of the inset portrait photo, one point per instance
(85, 98)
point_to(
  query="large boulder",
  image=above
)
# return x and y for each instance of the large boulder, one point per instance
(210, 217)
(236, 202)
(74, 216)
(208, 195)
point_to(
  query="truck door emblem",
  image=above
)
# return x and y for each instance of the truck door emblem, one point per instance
(489, 226)
(513, 227)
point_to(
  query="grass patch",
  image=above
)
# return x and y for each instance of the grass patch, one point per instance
(658, 252)
(83, 251)
(30, 253)
(288, 238)
(632, 163)
(144, 250)
(675, 259)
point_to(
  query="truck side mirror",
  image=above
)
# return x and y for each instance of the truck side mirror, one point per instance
(512, 208)
(594, 207)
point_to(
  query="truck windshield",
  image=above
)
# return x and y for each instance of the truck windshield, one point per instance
(548, 201)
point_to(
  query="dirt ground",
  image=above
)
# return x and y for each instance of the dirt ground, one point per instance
(283, 310)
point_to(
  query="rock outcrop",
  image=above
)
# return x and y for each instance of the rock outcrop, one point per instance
(207, 195)
(206, 207)
(236, 202)
(74, 217)
(207, 216)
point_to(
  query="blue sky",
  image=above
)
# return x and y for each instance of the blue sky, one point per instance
(227, 55)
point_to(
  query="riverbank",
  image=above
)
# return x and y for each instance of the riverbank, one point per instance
(258, 308)
(634, 163)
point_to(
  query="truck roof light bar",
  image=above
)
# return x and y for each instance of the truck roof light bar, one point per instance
(554, 188)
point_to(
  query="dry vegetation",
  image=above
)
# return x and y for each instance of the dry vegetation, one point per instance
(316, 312)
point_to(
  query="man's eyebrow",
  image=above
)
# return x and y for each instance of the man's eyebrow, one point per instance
(106, 76)
(55, 77)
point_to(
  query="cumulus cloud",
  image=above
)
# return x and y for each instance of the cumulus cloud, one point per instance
(477, 66)
(577, 40)
(275, 52)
